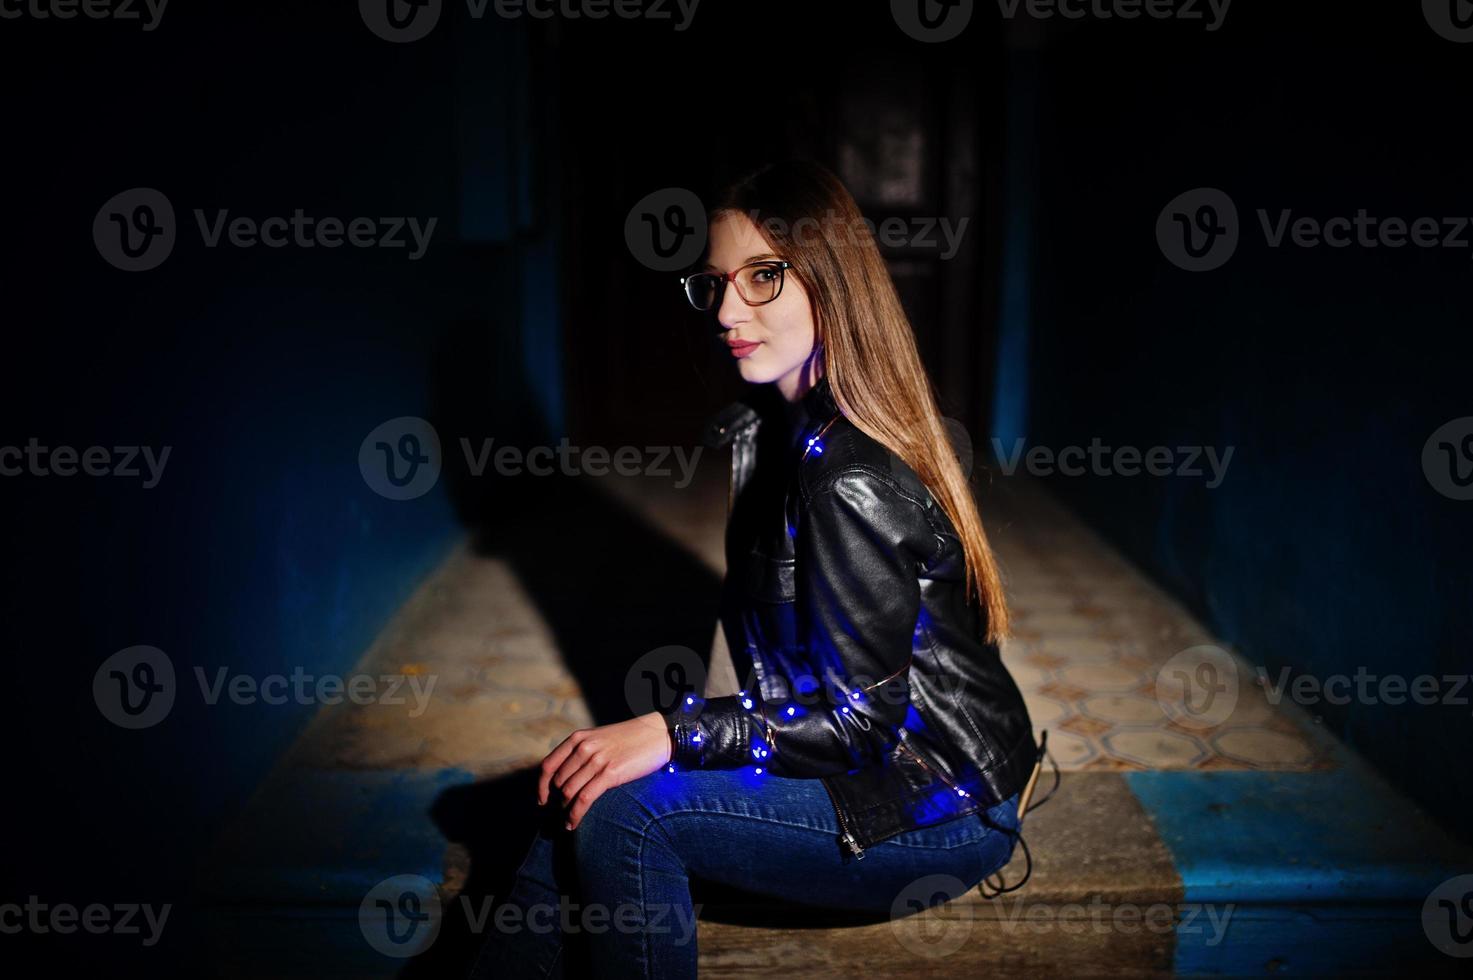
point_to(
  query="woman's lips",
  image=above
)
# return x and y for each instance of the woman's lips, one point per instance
(744, 347)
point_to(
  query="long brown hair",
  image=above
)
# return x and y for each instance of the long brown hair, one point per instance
(808, 217)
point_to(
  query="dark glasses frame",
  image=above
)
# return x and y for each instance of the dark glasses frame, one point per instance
(722, 278)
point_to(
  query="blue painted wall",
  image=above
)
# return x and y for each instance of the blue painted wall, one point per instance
(1325, 549)
(262, 549)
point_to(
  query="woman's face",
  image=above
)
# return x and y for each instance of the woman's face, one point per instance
(771, 342)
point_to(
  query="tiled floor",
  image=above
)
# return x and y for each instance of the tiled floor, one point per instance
(1096, 646)
(1091, 636)
(1095, 649)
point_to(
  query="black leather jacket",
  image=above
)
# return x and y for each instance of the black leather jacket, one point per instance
(844, 607)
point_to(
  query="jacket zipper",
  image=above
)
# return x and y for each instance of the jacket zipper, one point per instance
(848, 836)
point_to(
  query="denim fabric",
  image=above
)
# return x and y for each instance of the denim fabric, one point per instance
(637, 849)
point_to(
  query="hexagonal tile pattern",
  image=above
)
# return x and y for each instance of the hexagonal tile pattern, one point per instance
(1154, 748)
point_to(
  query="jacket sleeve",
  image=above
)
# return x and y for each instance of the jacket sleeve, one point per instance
(860, 545)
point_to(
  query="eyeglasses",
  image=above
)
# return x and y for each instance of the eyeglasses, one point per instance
(756, 283)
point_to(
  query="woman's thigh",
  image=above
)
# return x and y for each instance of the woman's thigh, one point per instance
(779, 837)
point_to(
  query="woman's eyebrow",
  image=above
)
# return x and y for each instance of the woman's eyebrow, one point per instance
(748, 260)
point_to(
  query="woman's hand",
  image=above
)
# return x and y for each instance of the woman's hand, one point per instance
(592, 760)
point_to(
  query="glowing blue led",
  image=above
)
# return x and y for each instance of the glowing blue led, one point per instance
(814, 444)
(746, 702)
(855, 695)
(696, 737)
(845, 709)
(960, 791)
(690, 700)
(759, 770)
(792, 711)
(670, 768)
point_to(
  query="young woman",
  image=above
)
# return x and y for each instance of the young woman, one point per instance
(875, 757)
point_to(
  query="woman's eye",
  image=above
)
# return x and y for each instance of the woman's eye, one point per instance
(764, 275)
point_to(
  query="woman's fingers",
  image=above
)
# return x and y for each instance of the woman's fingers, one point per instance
(589, 767)
(579, 754)
(554, 762)
(584, 797)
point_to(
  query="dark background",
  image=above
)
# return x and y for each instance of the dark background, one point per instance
(1059, 321)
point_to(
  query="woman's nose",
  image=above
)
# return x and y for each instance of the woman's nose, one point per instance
(733, 311)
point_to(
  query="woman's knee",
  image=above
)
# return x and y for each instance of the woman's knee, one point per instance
(618, 814)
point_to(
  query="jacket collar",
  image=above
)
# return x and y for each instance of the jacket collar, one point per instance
(812, 411)
(818, 401)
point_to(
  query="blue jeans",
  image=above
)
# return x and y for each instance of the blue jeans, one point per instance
(622, 878)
